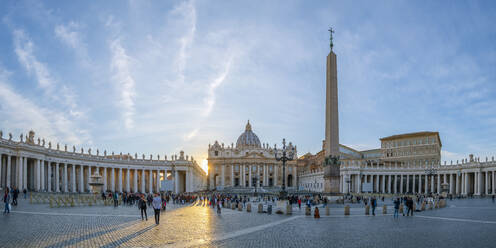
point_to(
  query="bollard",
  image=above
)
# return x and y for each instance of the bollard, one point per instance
(233, 206)
(436, 205)
(430, 206)
(414, 207)
(72, 201)
(248, 207)
(401, 208)
(51, 202)
(240, 206)
(384, 209)
(260, 208)
(269, 209)
(367, 209)
(422, 208)
(327, 210)
(347, 210)
(308, 211)
(289, 209)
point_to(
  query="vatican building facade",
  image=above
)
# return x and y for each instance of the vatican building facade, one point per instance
(248, 166)
(39, 166)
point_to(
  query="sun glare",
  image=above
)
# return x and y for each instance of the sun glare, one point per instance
(204, 165)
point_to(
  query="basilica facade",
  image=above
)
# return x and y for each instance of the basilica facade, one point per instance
(248, 166)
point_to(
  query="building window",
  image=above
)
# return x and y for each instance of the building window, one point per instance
(216, 153)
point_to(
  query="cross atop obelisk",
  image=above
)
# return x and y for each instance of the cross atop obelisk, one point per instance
(331, 31)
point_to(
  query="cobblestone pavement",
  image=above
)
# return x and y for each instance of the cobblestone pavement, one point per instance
(463, 223)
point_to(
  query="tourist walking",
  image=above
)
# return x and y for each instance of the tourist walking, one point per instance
(116, 201)
(299, 202)
(6, 200)
(142, 207)
(157, 202)
(373, 203)
(396, 207)
(493, 198)
(25, 193)
(409, 203)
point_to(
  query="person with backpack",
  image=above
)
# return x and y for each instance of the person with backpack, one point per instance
(142, 207)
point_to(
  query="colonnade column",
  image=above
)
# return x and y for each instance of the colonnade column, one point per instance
(104, 179)
(158, 181)
(223, 175)
(7, 183)
(401, 184)
(150, 181)
(494, 177)
(89, 178)
(249, 176)
(390, 184)
(119, 184)
(65, 178)
(457, 189)
(426, 186)
(466, 183)
(143, 181)
(25, 173)
(73, 178)
(439, 183)
(479, 182)
(359, 184)
(413, 183)
(112, 179)
(420, 184)
(135, 186)
(232, 175)
(81, 178)
(176, 181)
(452, 182)
(128, 188)
(487, 183)
(42, 175)
(432, 184)
(49, 178)
(57, 177)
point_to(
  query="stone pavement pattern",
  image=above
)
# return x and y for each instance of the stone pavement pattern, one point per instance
(463, 223)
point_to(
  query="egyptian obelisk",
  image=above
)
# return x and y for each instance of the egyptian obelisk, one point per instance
(331, 172)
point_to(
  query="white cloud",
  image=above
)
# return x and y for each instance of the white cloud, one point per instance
(124, 82)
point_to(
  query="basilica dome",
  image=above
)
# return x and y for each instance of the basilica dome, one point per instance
(248, 139)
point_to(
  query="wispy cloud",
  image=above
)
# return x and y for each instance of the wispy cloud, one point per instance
(24, 50)
(71, 36)
(124, 82)
(24, 115)
(210, 99)
(62, 94)
(187, 12)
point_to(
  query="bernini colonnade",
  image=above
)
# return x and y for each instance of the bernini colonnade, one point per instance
(37, 167)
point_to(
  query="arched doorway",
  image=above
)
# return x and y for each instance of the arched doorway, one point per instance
(290, 181)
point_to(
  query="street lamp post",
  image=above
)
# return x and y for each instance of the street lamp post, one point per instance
(430, 172)
(348, 181)
(287, 155)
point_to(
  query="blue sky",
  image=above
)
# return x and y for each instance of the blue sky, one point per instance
(157, 77)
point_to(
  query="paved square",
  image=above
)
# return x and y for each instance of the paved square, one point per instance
(462, 223)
